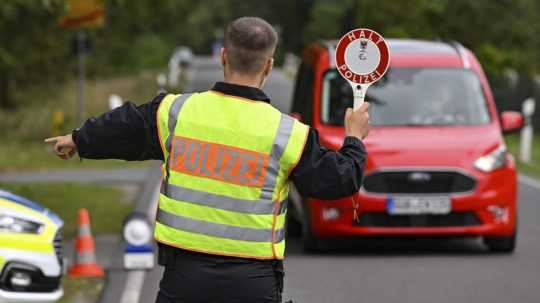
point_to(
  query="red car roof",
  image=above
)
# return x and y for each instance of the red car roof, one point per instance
(410, 53)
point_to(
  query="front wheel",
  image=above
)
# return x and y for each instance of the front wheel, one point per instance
(309, 241)
(505, 244)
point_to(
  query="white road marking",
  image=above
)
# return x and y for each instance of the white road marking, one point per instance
(134, 284)
(529, 181)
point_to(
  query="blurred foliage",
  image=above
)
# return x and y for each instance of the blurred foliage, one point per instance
(533, 168)
(22, 130)
(141, 34)
(33, 47)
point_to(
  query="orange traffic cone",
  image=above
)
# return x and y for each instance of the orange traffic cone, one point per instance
(85, 264)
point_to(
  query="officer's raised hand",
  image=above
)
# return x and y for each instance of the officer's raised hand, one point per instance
(64, 147)
(357, 122)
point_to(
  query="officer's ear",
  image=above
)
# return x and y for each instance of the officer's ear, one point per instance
(268, 67)
(223, 56)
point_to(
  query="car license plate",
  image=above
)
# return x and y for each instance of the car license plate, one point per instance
(417, 205)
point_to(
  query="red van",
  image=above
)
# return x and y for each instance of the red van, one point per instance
(437, 163)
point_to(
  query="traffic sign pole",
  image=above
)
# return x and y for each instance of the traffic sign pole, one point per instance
(82, 14)
(362, 57)
(81, 71)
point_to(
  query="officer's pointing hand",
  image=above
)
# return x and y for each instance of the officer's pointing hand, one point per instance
(357, 122)
(64, 147)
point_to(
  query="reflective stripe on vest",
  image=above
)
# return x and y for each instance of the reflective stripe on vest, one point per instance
(173, 118)
(260, 207)
(219, 230)
(196, 158)
(282, 138)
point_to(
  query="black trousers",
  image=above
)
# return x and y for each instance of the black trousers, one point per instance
(200, 278)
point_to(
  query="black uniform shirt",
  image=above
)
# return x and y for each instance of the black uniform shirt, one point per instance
(130, 133)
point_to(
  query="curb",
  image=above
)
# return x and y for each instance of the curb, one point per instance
(529, 181)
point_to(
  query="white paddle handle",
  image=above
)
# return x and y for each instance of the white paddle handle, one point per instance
(359, 94)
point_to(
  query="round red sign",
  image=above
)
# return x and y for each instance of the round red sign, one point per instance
(362, 56)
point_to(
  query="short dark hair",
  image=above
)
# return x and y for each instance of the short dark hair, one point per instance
(250, 42)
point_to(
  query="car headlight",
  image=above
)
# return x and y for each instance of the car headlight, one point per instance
(492, 161)
(18, 225)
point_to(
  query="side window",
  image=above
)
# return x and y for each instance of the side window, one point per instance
(337, 96)
(303, 93)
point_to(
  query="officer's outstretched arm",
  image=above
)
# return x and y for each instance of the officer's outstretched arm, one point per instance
(128, 132)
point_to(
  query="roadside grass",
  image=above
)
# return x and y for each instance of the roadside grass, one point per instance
(23, 129)
(108, 206)
(532, 169)
(81, 290)
(36, 155)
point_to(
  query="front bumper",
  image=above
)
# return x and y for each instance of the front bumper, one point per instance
(472, 213)
(40, 272)
(8, 296)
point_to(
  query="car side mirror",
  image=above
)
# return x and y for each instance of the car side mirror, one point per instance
(511, 121)
(297, 116)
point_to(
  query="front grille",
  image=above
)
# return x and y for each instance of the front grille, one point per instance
(410, 182)
(449, 220)
(58, 248)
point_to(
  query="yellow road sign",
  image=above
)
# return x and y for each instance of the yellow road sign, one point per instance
(83, 13)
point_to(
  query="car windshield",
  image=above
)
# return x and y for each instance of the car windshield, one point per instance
(411, 96)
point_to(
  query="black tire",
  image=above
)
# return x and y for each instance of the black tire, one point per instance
(501, 244)
(294, 228)
(310, 242)
(293, 221)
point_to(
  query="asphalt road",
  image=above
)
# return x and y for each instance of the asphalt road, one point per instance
(103, 176)
(206, 71)
(416, 271)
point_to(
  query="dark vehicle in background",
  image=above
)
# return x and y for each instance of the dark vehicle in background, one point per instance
(437, 162)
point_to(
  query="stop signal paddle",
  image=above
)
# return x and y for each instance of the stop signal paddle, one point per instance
(362, 57)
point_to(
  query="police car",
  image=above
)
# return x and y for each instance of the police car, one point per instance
(31, 262)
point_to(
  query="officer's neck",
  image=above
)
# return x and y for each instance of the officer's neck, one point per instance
(244, 80)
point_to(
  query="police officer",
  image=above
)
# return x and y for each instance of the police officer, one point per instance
(228, 158)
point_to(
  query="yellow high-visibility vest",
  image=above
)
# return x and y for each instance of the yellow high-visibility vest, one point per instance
(225, 174)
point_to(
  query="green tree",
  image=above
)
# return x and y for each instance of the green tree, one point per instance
(33, 49)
